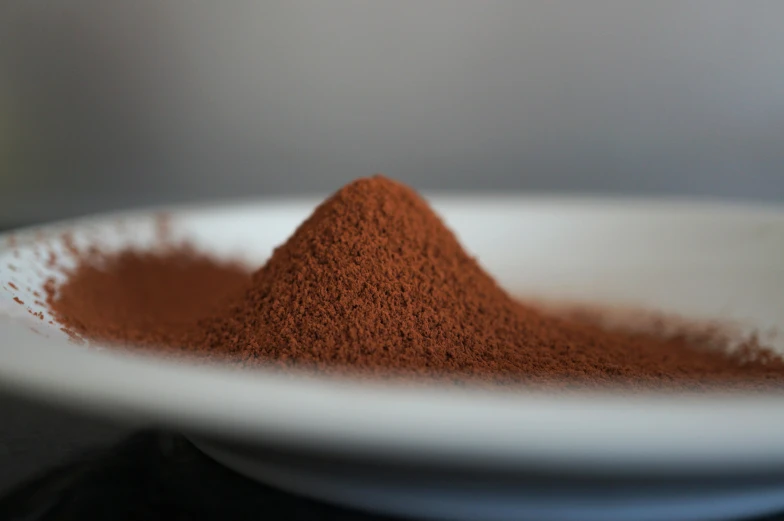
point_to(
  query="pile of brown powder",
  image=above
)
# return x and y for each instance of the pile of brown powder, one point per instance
(373, 282)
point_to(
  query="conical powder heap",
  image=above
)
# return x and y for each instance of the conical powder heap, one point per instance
(375, 282)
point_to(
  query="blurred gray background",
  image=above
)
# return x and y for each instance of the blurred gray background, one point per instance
(109, 105)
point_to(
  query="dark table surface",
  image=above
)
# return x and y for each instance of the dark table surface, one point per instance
(34, 436)
(156, 475)
(61, 467)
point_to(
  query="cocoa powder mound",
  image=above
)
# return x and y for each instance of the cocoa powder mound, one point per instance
(374, 284)
(374, 281)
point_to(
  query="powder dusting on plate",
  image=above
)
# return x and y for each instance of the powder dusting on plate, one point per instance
(374, 284)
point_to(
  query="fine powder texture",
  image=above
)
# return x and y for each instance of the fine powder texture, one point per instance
(373, 283)
(142, 298)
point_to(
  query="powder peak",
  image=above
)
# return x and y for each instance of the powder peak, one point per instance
(374, 183)
(371, 201)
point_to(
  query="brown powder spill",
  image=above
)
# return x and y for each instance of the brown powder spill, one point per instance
(19, 301)
(629, 320)
(145, 298)
(374, 283)
(13, 286)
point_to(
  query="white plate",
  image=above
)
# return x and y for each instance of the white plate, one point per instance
(703, 260)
